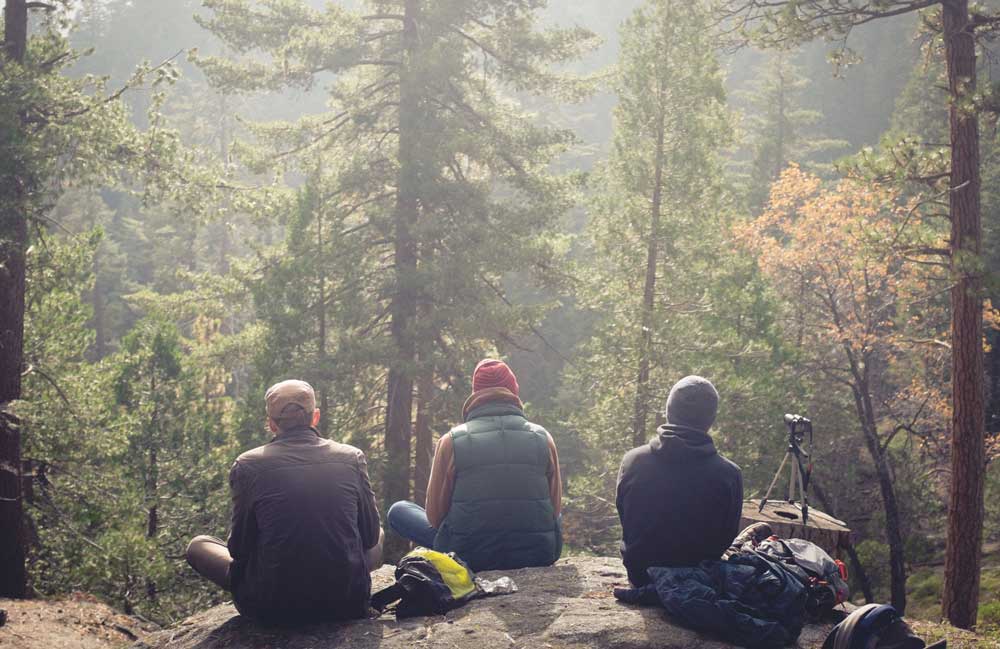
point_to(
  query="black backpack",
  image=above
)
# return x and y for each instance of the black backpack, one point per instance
(427, 583)
(875, 626)
(825, 578)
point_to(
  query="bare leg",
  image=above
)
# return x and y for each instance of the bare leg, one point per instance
(373, 555)
(210, 558)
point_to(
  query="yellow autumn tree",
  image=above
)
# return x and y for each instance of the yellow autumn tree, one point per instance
(867, 311)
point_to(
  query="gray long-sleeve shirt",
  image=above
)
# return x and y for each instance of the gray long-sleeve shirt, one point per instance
(303, 515)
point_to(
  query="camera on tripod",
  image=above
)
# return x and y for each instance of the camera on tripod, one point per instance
(800, 467)
(798, 426)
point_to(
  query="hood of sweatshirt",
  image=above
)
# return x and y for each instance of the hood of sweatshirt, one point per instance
(682, 443)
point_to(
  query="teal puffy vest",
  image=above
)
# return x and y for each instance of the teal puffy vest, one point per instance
(501, 514)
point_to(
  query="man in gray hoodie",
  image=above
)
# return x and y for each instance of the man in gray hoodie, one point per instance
(678, 499)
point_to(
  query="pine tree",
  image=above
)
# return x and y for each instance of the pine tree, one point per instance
(660, 184)
(666, 297)
(429, 156)
(778, 128)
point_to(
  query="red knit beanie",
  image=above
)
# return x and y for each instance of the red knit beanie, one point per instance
(491, 373)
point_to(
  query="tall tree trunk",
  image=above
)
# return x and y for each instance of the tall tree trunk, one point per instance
(15, 33)
(423, 435)
(152, 477)
(13, 242)
(224, 240)
(893, 530)
(324, 392)
(649, 296)
(97, 304)
(153, 513)
(992, 415)
(779, 157)
(965, 506)
(403, 303)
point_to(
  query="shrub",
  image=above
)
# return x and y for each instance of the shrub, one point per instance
(874, 556)
(989, 613)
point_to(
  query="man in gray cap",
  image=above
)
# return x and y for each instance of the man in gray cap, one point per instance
(679, 500)
(305, 528)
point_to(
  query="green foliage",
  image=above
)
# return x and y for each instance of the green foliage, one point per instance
(118, 478)
(991, 520)
(215, 231)
(778, 129)
(132, 450)
(989, 613)
(874, 556)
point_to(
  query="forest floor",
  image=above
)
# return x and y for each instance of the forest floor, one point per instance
(75, 622)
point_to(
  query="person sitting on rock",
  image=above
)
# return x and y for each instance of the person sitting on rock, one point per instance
(305, 527)
(494, 494)
(678, 499)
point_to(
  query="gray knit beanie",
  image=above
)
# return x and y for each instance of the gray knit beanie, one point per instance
(692, 403)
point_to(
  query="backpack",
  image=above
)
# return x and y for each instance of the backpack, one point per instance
(824, 577)
(875, 626)
(427, 583)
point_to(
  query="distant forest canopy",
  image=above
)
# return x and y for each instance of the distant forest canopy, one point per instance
(371, 196)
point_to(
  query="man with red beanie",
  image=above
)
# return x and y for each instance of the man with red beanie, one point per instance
(495, 493)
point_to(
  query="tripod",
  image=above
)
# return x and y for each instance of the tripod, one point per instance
(799, 471)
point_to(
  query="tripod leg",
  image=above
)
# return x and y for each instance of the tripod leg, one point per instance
(791, 482)
(805, 496)
(803, 481)
(774, 481)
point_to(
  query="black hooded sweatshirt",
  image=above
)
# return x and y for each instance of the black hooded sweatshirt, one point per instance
(679, 502)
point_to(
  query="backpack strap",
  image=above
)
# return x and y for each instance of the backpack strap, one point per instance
(383, 598)
(845, 629)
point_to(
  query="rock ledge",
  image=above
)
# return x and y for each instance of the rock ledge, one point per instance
(568, 605)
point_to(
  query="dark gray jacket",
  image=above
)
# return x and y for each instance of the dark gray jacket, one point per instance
(303, 515)
(679, 502)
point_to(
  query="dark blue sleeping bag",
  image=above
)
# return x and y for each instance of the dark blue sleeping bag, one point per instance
(748, 600)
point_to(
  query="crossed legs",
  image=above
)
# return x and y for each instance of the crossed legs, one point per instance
(210, 558)
(409, 520)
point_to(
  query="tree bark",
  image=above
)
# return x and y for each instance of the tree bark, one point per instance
(861, 390)
(13, 243)
(960, 602)
(992, 415)
(893, 533)
(15, 33)
(649, 296)
(153, 476)
(153, 513)
(779, 158)
(423, 436)
(403, 302)
(97, 303)
(324, 392)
